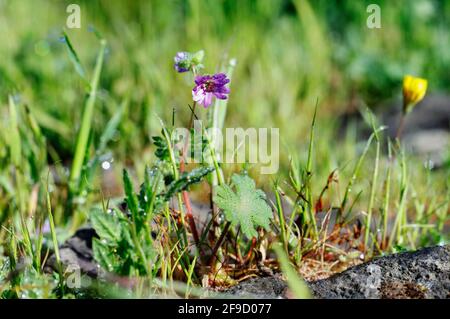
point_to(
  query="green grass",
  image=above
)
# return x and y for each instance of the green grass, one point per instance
(69, 105)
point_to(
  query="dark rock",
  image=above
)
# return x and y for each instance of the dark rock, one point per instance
(421, 274)
(77, 252)
(262, 288)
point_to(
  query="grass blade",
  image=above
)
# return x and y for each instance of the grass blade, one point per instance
(295, 283)
(83, 135)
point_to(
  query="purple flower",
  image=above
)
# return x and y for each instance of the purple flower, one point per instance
(182, 62)
(207, 86)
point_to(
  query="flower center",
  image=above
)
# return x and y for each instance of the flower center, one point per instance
(209, 86)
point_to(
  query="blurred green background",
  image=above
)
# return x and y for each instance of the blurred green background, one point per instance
(289, 53)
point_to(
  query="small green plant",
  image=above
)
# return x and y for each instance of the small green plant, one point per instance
(246, 206)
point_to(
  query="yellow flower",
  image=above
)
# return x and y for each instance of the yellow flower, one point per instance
(414, 90)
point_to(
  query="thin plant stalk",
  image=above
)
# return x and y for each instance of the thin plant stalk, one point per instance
(16, 159)
(283, 231)
(55, 243)
(219, 112)
(400, 127)
(355, 172)
(185, 195)
(387, 196)
(311, 217)
(220, 181)
(372, 192)
(176, 176)
(401, 214)
(219, 242)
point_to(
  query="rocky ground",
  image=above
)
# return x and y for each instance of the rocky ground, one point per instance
(411, 275)
(421, 274)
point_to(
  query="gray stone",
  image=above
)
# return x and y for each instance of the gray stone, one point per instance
(421, 274)
(77, 252)
(272, 287)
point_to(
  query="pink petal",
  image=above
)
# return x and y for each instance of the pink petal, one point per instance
(208, 99)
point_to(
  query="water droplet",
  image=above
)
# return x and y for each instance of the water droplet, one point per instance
(106, 165)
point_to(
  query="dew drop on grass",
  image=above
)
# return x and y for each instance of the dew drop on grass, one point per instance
(106, 165)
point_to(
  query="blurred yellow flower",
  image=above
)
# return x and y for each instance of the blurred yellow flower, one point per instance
(414, 90)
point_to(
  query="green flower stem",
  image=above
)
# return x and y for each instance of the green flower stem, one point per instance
(387, 195)
(372, 193)
(176, 176)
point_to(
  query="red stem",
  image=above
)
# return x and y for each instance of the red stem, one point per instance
(219, 242)
(401, 125)
(250, 251)
(186, 200)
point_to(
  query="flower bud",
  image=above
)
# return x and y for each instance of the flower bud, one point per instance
(414, 90)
